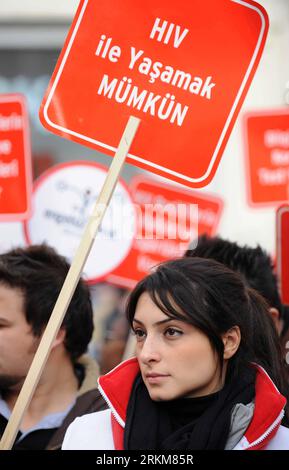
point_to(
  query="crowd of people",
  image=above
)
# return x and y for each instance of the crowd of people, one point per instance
(209, 368)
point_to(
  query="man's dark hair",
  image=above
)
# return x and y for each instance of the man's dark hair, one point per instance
(253, 264)
(39, 272)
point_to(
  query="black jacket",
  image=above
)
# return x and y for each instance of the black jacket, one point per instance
(88, 400)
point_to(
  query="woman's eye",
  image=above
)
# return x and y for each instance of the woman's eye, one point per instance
(172, 332)
(139, 334)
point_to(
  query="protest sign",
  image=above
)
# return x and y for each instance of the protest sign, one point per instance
(169, 218)
(15, 159)
(183, 68)
(63, 199)
(267, 157)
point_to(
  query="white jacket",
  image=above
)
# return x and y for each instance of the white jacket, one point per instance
(104, 430)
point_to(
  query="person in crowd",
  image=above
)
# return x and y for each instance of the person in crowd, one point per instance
(207, 372)
(253, 264)
(30, 281)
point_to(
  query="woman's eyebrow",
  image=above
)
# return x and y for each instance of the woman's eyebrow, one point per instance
(156, 323)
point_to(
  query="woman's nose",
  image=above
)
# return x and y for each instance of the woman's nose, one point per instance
(150, 351)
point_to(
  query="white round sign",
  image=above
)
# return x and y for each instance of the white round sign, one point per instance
(63, 199)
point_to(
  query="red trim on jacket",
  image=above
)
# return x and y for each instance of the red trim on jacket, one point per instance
(117, 432)
(117, 385)
(268, 405)
(269, 402)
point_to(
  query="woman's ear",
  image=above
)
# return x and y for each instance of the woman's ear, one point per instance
(275, 315)
(231, 340)
(60, 337)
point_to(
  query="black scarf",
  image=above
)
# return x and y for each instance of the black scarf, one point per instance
(164, 425)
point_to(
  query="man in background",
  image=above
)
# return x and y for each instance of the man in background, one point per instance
(30, 281)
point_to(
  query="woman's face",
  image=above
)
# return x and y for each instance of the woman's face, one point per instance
(176, 359)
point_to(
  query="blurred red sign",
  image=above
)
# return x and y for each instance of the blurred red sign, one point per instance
(182, 67)
(283, 251)
(267, 157)
(168, 219)
(15, 159)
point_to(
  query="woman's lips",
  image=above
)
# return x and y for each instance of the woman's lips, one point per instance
(154, 378)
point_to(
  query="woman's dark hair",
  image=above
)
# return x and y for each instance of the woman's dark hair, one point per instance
(210, 296)
(39, 273)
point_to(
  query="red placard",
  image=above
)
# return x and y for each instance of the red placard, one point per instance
(15, 159)
(267, 157)
(183, 68)
(167, 221)
(283, 251)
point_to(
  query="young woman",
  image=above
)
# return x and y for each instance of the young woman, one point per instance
(206, 373)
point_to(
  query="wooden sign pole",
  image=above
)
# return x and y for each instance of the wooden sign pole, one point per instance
(69, 286)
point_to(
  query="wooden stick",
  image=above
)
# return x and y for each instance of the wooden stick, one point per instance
(68, 287)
